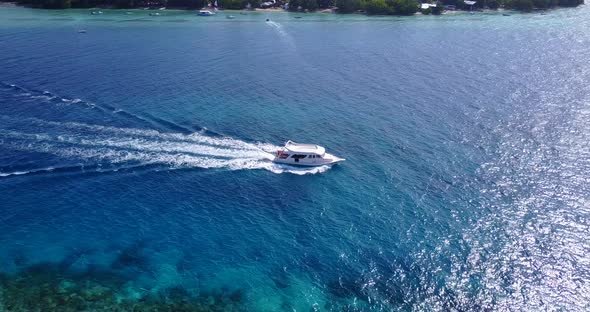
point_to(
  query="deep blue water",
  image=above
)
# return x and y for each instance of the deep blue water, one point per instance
(140, 148)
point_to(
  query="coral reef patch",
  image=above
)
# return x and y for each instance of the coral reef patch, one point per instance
(47, 287)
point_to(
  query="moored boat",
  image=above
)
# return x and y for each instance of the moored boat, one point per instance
(205, 13)
(304, 155)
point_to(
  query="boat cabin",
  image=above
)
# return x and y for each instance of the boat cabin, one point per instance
(298, 151)
(304, 155)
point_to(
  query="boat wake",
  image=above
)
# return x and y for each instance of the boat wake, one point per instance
(83, 146)
(281, 32)
(102, 148)
(41, 97)
(278, 27)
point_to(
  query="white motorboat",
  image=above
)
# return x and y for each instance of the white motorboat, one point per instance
(304, 155)
(205, 13)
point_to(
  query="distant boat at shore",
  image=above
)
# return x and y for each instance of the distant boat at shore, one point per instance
(96, 12)
(205, 13)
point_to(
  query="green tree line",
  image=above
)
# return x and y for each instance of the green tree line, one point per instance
(371, 7)
(129, 4)
(386, 7)
(520, 5)
(409, 7)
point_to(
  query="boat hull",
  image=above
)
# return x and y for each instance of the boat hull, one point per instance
(327, 161)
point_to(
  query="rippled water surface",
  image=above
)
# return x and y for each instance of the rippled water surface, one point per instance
(136, 155)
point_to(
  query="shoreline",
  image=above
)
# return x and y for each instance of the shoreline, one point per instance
(276, 10)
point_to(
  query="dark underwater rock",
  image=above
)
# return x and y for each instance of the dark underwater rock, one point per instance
(131, 257)
(48, 287)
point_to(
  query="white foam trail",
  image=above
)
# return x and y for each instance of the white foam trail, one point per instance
(278, 27)
(47, 96)
(16, 173)
(70, 101)
(7, 174)
(281, 31)
(193, 137)
(279, 168)
(43, 97)
(98, 144)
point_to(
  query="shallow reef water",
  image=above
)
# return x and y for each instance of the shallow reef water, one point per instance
(47, 287)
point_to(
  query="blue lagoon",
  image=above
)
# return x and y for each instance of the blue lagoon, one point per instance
(135, 171)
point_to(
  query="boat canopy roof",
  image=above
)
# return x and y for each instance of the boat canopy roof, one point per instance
(304, 148)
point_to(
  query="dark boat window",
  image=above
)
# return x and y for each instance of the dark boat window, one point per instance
(296, 156)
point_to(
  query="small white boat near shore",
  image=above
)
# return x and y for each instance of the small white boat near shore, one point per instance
(205, 13)
(304, 155)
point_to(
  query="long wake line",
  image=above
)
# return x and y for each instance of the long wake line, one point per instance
(102, 148)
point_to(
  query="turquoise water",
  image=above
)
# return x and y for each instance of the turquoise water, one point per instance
(135, 155)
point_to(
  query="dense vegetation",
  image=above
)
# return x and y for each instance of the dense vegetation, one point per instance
(397, 7)
(121, 4)
(371, 7)
(408, 7)
(520, 5)
(529, 5)
(128, 4)
(237, 4)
